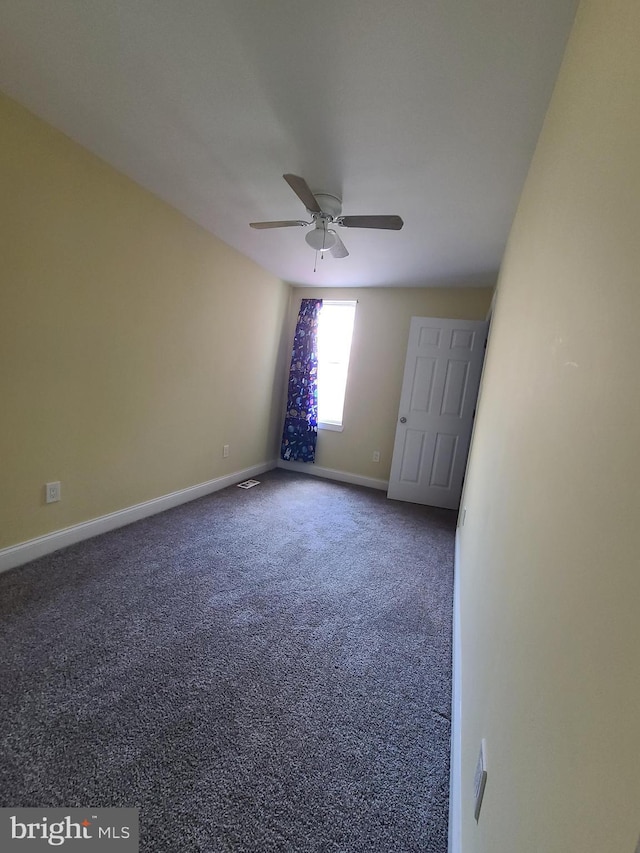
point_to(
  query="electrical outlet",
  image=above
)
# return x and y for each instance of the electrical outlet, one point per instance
(375, 456)
(51, 492)
(480, 779)
(225, 451)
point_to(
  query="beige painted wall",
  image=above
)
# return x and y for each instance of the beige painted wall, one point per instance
(549, 568)
(378, 352)
(133, 344)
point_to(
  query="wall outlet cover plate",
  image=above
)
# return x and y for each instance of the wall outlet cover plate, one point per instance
(52, 492)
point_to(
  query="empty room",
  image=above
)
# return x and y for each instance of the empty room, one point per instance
(318, 520)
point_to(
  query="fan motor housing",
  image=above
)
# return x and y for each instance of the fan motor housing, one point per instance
(329, 204)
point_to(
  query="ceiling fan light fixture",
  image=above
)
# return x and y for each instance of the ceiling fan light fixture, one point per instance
(325, 210)
(320, 239)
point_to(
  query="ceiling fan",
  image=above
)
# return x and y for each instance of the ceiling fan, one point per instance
(326, 212)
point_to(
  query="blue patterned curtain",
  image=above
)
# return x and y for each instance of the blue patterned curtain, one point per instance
(301, 420)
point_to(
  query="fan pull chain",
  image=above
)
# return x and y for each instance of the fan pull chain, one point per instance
(324, 237)
(315, 263)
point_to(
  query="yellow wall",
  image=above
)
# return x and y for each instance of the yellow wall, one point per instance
(133, 344)
(378, 352)
(549, 568)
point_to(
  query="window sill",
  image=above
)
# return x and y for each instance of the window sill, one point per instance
(330, 426)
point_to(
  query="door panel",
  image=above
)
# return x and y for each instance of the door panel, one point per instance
(439, 391)
(455, 387)
(443, 460)
(412, 456)
(422, 385)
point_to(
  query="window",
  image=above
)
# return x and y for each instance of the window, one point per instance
(335, 329)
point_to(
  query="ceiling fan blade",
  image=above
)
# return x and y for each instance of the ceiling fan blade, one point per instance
(393, 223)
(284, 223)
(339, 250)
(301, 189)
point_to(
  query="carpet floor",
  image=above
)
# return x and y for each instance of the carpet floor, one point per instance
(258, 670)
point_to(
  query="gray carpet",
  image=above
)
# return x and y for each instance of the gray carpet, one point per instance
(261, 670)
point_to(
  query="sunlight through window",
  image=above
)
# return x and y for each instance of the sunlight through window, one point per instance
(335, 330)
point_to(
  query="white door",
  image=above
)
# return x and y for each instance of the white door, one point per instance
(437, 405)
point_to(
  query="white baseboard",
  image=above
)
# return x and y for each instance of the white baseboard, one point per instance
(24, 552)
(331, 474)
(455, 776)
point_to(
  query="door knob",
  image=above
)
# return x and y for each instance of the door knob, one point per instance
(403, 420)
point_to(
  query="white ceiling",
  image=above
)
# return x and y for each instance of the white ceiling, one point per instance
(429, 109)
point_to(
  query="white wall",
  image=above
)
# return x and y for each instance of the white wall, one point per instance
(549, 569)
